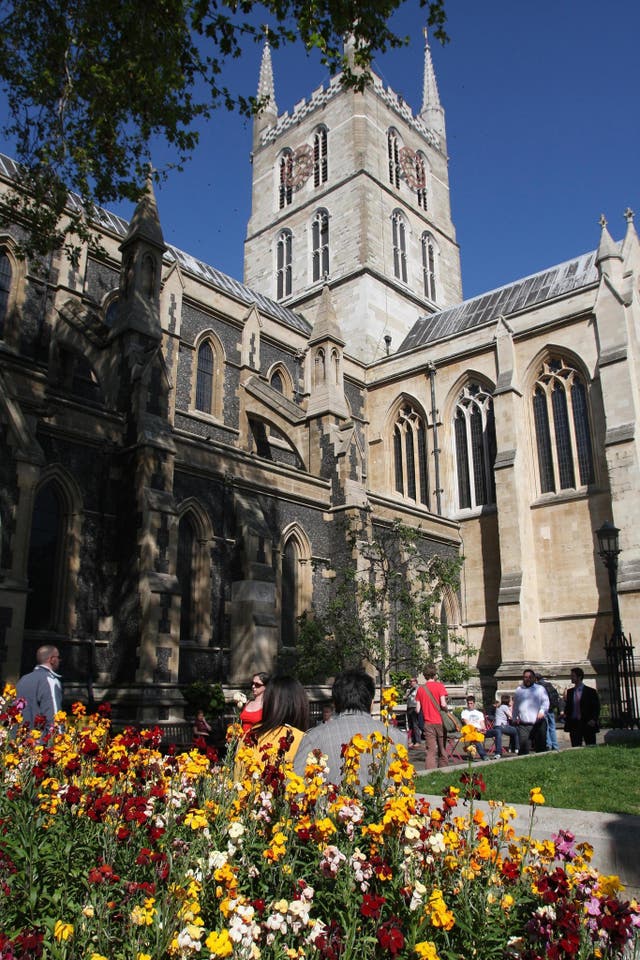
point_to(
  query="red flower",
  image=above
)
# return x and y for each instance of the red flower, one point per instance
(372, 905)
(390, 937)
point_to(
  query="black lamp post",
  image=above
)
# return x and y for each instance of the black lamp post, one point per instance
(619, 650)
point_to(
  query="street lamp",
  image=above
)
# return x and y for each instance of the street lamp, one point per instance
(619, 650)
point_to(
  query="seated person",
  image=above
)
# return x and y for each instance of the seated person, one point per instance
(475, 718)
(285, 717)
(502, 721)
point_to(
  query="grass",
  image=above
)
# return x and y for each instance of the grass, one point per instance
(605, 778)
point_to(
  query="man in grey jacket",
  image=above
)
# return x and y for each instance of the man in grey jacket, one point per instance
(353, 692)
(42, 688)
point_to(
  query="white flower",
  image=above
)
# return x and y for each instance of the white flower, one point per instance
(236, 830)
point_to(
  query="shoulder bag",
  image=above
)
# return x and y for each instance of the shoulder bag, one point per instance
(450, 722)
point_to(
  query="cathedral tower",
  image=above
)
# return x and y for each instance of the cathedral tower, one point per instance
(352, 188)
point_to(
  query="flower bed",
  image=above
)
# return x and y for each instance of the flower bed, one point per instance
(111, 851)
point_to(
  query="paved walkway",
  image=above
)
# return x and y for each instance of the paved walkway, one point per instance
(615, 838)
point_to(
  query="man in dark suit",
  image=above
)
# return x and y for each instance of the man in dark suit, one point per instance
(582, 711)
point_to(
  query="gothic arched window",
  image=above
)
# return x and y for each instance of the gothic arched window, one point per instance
(290, 588)
(393, 153)
(295, 583)
(320, 166)
(45, 565)
(421, 181)
(185, 574)
(204, 378)
(410, 455)
(429, 266)
(563, 434)
(284, 254)
(277, 382)
(285, 173)
(6, 275)
(475, 440)
(399, 239)
(320, 245)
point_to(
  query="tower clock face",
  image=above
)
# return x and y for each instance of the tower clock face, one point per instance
(408, 160)
(301, 166)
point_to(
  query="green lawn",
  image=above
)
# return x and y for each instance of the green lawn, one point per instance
(605, 778)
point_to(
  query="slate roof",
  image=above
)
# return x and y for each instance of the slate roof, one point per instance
(487, 307)
(197, 268)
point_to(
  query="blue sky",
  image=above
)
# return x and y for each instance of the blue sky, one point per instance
(543, 125)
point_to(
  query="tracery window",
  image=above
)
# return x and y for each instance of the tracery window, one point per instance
(320, 245)
(6, 275)
(421, 181)
(284, 254)
(399, 240)
(320, 157)
(429, 265)
(475, 442)
(285, 172)
(393, 153)
(563, 434)
(410, 455)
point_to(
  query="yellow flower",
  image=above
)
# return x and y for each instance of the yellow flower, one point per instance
(97, 956)
(196, 819)
(62, 931)
(507, 902)
(426, 950)
(610, 885)
(470, 734)
(220, 944)
(143, 956)
(535, 796)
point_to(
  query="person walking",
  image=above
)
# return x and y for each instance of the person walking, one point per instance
(530, 707)
(41, 689)
(582, 711)
(554, 703)
(432, 697)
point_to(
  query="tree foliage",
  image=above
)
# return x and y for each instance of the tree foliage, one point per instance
(90, 83)
(384, 607)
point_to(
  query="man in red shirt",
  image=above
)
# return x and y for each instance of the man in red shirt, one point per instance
(431, 697)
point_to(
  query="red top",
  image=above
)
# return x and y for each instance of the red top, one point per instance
(430, 712)
(249, 718)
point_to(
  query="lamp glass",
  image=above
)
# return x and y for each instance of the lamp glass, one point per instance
(608, 540)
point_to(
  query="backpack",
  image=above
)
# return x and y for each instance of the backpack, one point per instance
(552, 693)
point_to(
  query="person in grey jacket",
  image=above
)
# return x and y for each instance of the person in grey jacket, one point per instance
(41, 689)
(352, 693)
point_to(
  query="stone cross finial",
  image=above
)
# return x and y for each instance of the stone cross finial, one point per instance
(628, 215)
(602, 221)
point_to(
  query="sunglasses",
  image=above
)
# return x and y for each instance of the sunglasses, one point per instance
(257, 684)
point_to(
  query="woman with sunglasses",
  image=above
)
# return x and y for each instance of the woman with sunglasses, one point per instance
(251, 713)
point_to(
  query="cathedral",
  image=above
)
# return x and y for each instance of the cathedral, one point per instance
(179, 449)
